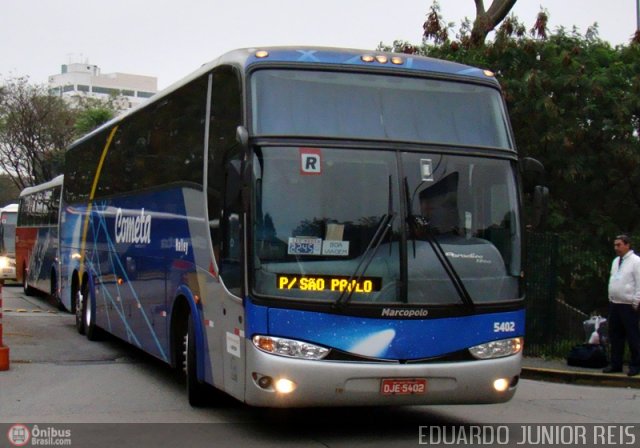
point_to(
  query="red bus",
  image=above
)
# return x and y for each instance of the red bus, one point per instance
(37, 247)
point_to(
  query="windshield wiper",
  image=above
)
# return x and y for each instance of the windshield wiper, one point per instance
(367, 257)
(415, 222)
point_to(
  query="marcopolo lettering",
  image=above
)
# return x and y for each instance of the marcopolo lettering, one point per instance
(391, 312)
(135, 229)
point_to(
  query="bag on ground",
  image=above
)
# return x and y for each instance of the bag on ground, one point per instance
(587, 355)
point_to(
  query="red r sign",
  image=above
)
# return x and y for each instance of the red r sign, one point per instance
(310, 161)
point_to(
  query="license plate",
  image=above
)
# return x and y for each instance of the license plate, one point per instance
(391, 386)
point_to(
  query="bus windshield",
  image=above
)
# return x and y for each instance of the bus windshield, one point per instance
(8, 232)
(373, 106)
(318, 210)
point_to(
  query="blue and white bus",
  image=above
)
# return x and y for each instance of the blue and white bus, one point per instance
(307, 227)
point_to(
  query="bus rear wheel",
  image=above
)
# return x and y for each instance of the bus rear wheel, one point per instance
(53, 291)
(80, 299)
(28, 291)
(196, 391)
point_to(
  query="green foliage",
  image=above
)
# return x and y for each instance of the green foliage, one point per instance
(93, 112)
(574, 103)
(90, 119)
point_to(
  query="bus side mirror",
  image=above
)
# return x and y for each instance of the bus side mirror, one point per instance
(540, 205)
(533, 174)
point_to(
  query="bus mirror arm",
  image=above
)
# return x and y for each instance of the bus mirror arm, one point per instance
(242, 137)
(245, 191)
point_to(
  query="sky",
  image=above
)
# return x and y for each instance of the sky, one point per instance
(169, 39)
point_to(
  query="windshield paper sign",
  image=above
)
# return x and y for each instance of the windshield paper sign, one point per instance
(317, 246)
(305, 246)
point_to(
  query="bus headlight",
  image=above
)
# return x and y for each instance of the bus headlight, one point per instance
(497, 349)
(4, 262)
(289, 347)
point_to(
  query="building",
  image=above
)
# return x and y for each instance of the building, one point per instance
(78, 80)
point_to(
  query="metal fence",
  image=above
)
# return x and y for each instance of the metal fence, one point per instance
(565, 284)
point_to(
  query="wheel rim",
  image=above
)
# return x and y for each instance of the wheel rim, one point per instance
(185, 354)
(79, 301)
(87, 315)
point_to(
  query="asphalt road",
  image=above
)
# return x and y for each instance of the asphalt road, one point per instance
(59, 378)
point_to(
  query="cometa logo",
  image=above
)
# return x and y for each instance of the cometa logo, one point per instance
(135, 229)
(391, 312)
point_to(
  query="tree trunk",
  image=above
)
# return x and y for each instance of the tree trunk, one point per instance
(487, 20)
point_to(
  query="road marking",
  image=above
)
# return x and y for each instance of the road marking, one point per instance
(23, 310)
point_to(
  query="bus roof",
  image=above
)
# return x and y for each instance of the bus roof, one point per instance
(10, 208)
(44, 186)
(342, 58)
(362, 58)
(324, 57)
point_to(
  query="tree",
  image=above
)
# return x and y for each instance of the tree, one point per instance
(574, 103)
(93, 112)
(9, 193)
(35, 127)
(486, 20)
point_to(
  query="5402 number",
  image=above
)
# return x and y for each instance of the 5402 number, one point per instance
(504, 327)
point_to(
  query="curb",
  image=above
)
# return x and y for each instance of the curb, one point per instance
(580, 378)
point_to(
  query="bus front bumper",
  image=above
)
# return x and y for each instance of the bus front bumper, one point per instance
(7, 268)
(333, 383)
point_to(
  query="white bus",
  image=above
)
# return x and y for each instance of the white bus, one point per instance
(8, 218)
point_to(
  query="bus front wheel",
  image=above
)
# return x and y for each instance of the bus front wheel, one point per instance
(196, 391)
(91, 330)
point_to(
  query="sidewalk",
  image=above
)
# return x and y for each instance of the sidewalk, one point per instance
(557, 370)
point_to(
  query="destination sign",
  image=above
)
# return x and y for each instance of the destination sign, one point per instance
(320, 283)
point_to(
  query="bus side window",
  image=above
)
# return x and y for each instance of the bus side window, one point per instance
(224, 208)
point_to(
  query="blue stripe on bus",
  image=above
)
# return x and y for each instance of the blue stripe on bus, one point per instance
(105, 263)
(385, 338)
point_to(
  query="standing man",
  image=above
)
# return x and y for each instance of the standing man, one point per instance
(624, 297)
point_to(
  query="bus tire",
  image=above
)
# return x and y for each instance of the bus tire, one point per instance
(53, 290)
(91, 330)
(196, 391)
(28, 291)
(79, 301)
